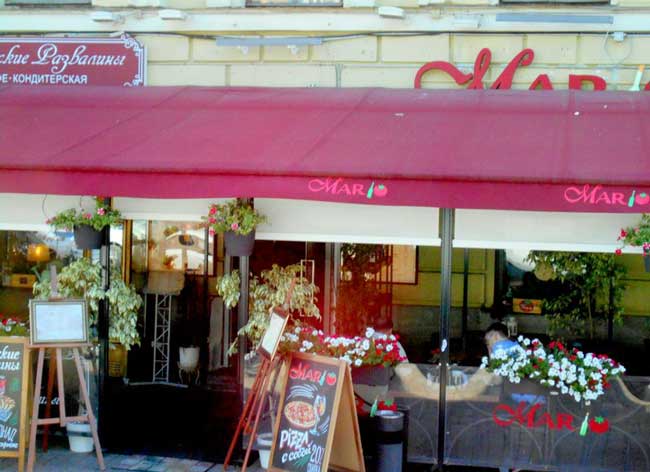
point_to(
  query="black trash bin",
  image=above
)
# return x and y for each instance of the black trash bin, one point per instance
(389, 431)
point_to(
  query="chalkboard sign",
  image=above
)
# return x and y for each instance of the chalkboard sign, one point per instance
(316, 426)
(14, 373)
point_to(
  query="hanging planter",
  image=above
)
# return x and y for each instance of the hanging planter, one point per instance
(87, 225)
(237, 220)
(239, 245)
(87, 237)
(638, 236)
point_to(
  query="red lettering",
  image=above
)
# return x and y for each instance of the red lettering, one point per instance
(565, 420)
(618, 198)
(541, 82)
(450, 69)
(298, 372)
(504, 81)
(545, 420)
(507, 410)
(576, 81)
(530, 417)
(481, 66)
(357, 189)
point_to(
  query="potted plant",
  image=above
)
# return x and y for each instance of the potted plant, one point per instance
(86, 225)
(638, 236)
(237, 220)
(268, 291)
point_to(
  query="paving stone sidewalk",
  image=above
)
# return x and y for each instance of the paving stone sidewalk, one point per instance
(62, 460)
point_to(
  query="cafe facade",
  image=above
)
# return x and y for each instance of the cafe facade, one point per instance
(459, 128)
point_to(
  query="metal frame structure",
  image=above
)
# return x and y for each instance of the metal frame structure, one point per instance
(161, 337)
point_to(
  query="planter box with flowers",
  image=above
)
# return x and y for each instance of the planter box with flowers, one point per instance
(86, 225)
(237, 219)
(638, 236)
(371, 357)
(583, 377)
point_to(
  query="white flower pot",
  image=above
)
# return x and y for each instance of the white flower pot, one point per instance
(264, 442)
(80, 437)
(188, 358)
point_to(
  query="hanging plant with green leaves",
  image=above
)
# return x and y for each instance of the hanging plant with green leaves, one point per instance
(82, 279)
(268, 291)
(593, 290)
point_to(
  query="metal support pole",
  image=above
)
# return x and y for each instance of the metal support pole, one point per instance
(328, 288)
(446, 236)
(102, 334)
(242, 316)
(336, 278)
(463, 327)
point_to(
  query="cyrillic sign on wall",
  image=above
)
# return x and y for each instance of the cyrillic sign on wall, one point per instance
(72, 61)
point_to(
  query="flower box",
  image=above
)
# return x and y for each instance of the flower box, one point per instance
(372, 375)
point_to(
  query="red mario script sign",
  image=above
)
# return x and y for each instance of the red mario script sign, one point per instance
(72, 61)
(504, 80)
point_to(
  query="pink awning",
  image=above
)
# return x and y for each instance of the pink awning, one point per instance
(499, 149)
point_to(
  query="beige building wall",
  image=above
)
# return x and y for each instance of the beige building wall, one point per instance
(389, 61)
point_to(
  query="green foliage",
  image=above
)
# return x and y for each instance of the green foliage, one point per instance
(593, 289)
(235, 215)
(266, 292)
(228, 288)
(82, 279)
(103, 216)
(358, 300)
(637, 235)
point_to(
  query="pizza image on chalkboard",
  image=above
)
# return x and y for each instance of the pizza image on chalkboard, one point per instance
(300, 414)
(7, 406)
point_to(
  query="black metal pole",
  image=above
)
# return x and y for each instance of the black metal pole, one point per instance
(463, 327)
(102, 335)
(610, 313)
(446, 236)
(242, 316)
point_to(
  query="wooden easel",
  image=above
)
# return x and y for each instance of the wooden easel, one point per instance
(253, 409)
(89, 417)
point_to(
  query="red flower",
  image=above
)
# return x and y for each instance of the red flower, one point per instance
(535, 366)
(4, 321)
(623, 234)
(618, 252)
(212, 211)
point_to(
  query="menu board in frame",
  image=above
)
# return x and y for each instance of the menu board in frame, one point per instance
(58, 322)
(271, 339)
(14, 383)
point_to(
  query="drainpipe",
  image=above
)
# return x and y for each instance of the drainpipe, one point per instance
(446, 236)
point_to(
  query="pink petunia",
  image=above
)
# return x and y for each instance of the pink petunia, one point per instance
(623, 234)
(618, 252)
(234, 226)
(101, 211)
(212, 211)
(212, 221)
(88, 216)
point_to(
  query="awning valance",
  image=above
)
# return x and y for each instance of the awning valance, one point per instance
(496, 149)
